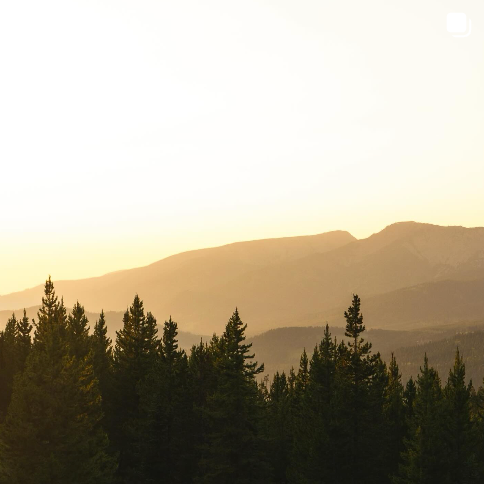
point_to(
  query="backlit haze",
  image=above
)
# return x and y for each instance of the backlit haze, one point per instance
(131, 131)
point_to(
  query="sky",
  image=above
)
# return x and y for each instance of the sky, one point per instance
(133, 130)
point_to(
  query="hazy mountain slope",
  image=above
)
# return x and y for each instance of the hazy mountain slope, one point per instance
(160, 282)
(402, 255)
(428, 304)
(278, 282)
(416, 307)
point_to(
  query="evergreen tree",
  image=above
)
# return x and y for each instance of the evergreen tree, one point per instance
(203, 380)
(477, 402)
(234, 447)
(394, 413)
(279, 427)
(78, 332)
(166, 399)
(50, 330)
(320, 412)
(102, 357)
(52, 432)
(359, 390)
(15, 343)
(23, 340)
(425, 451)
(8, 366)
(376, 427)
(302, 425)
(409, 398)
(460, 433)
(135, 355)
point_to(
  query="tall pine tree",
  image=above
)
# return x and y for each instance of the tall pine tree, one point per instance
(166, 399)
(234, 445)
(135, 355)
(461, 438)
(425, 454)
(78, 332)
(102, 357)
(8, 366)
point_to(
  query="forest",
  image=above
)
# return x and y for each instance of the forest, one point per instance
(76, 407)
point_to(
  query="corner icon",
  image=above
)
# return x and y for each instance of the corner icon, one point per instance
(457, 24)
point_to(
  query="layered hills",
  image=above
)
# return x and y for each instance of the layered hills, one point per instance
(409, 275)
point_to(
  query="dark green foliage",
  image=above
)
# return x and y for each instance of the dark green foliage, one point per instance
(477, 413)
(78, 332)
(409, 398)
(233, 450)
(425, 452)
(23, 341)
(52, 432)
(203, 383)
(342, 417)
(102, 361)
(165, 398)
(135, 356)
(15, 344)
(279, 428)
(7, 362)
(460, 435)
(102, 353)
(395, 418)
(50, 330)
(321, 409)
(359, 401)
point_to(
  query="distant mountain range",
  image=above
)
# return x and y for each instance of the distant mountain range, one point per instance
(409, 275)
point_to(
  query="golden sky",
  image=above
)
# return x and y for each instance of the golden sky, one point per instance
(134, 130)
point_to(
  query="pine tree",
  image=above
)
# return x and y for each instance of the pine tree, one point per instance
(234, 447)
(23, 340)
(51, 326)
(78, 332)
(356, 370)
(461, 439)
(477, 401)
(394, 414)
(52, 432)
(102, 357)
(425, 451)
(279, 427)
(8, 366)
(409, 398)
(15, 343)
(203, 381)
(319, 412)
(135, 355)
(166, 399)
(301, 424)
(376, 426)
(302, 379)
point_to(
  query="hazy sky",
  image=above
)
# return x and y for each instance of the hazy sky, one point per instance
(132, 130)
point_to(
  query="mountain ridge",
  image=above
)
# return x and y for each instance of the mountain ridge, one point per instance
(274, 280)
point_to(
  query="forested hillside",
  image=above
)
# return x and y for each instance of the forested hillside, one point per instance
(76, 407)
(440, 353)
